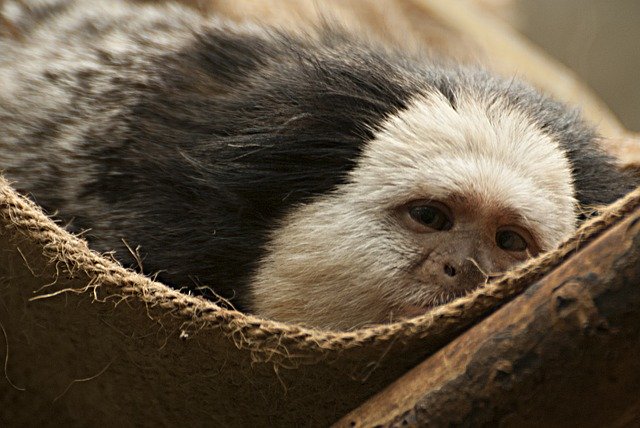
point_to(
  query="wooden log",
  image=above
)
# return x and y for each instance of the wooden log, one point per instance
(565, 353)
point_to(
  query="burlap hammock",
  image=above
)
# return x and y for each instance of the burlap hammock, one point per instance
(91, 343)
(88, 342)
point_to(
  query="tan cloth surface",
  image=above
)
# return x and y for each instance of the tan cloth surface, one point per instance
(88, 341)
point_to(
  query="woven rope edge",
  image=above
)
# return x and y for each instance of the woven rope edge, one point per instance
(271, 337)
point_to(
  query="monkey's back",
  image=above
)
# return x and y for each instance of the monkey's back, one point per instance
(134, 124)
(68, 82)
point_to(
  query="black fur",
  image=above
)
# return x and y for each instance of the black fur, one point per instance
(195, 153)
(235, 131)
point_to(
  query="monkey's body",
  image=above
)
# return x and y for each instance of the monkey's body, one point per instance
(230, 155)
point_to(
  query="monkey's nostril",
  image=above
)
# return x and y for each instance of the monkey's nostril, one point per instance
(449, 270)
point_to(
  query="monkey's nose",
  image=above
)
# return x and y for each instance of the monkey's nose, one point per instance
(461, 276)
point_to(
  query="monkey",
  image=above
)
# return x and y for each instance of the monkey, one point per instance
(315, 178)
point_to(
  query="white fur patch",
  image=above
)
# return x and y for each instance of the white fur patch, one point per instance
(491, 152)
(341, 262)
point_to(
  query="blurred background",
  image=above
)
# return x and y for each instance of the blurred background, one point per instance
(598, 39)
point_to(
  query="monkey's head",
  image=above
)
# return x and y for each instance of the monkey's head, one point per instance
(368, 186)
(445, 195)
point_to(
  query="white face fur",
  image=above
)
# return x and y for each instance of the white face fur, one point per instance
(359, 255)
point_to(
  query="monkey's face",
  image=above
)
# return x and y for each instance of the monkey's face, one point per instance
(460, 243)
(441, 199)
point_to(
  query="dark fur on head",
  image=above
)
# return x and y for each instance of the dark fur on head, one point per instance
(194, 139)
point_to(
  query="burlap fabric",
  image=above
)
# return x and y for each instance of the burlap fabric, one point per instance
(86, 341)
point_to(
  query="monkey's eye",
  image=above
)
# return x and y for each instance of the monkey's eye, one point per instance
(509, 240)
(431, 216)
